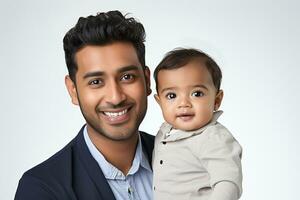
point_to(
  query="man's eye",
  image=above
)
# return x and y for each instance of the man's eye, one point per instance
(197, 94)
(95, 82)
(127, 77)
(171, 95)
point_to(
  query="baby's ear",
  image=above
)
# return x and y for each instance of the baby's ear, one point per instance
(218, 100)
(156, 97)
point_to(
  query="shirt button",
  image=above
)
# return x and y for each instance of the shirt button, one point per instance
(164, 142)
(161, 162)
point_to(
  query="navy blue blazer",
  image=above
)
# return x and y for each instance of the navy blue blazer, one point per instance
(71, 174)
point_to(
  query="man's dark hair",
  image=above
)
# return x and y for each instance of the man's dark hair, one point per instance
(180, 56)
(103, 29)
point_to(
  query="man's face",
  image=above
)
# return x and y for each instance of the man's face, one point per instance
(187, 96)
(111, 89)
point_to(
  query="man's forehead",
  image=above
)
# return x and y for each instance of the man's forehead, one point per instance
(120, 49)
(113, 57)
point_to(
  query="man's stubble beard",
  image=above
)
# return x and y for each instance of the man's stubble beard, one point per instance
(128, 134)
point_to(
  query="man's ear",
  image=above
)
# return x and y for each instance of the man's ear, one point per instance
(71, 87)
(148, 82)
(218, 100)
(157, 98)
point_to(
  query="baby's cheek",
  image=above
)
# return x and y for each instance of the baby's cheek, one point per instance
(169, 115)
(206, 116)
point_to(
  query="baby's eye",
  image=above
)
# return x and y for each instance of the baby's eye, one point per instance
(171, 95)
(197, 94)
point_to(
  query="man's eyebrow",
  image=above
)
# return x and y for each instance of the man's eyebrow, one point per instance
(92, 74)
(101, 73)
(128, 68)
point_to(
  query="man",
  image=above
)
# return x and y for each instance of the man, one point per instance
(108, 79)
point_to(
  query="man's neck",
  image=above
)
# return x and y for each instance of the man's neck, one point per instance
(119, 153)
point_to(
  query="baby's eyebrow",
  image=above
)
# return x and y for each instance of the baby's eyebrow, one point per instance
(201, 86)
(166, 89)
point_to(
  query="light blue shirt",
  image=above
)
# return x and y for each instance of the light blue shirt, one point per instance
(136, 185)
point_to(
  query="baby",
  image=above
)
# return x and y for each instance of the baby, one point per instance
(195, 157)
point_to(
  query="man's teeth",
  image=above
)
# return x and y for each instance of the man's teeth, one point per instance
(115, 114)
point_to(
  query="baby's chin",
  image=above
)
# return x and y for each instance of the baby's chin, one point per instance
(189, 127)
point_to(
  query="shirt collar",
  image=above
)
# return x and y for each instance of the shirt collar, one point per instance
(170, 134)
(110, 171)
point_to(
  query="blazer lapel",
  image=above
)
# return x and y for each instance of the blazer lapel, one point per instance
(89, 174)
(93, 170)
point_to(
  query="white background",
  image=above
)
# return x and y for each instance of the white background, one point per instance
(255, 42)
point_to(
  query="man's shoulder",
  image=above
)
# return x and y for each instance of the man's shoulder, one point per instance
(48, 178)
(55, 166)
(58, 167)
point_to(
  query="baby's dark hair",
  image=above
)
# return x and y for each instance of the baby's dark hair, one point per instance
(181, 56)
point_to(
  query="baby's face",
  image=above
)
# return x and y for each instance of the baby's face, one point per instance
(187, 96)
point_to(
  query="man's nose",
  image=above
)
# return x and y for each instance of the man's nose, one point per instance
(115, 94)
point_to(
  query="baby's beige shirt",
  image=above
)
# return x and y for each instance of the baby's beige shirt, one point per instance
(187, 165)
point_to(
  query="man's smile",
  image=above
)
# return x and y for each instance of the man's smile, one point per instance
(116, 116)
